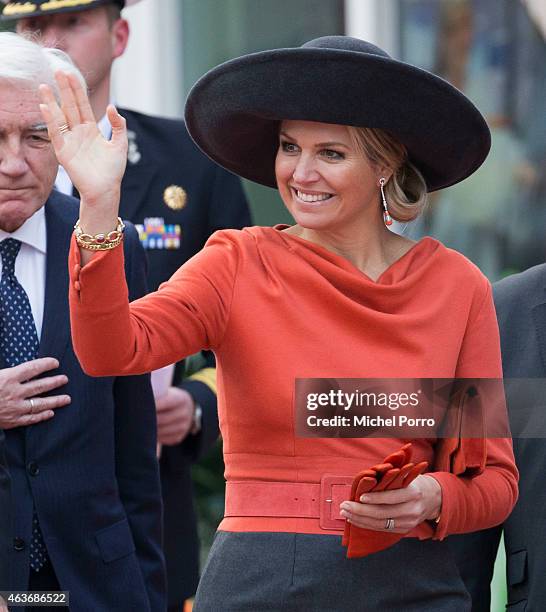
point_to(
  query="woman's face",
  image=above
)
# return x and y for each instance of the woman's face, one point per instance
(324, 180)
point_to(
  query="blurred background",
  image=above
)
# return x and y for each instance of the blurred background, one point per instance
(493, 50)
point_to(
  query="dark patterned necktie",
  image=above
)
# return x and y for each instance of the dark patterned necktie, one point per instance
(18, 343)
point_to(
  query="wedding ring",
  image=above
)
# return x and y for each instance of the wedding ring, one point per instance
(31, 405)
(64, 128)
(389, 524)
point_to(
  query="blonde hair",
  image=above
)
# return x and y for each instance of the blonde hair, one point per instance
(406, 190)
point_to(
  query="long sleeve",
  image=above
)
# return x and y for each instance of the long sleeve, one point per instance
(186, 314)
(495, 490)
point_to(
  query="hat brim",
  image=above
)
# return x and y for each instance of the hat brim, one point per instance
(233, 112)
(14, 11)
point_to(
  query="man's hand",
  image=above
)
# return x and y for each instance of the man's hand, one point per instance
(175, 411)
(19, 404)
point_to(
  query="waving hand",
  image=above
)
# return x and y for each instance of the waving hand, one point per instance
(94, 164)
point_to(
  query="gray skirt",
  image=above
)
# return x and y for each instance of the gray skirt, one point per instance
(301, 572)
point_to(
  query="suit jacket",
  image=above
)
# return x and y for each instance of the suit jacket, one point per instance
(5, 515)
(91, 471)
(521, 307)
(162, 154)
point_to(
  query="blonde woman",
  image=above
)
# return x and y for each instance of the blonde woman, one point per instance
(352, 139)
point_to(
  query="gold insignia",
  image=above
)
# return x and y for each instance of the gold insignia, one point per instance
(16, 8)
(175, 197)
(58, 4)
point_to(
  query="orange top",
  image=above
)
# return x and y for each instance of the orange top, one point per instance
(274, 307)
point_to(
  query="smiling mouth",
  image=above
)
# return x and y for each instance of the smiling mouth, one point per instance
(310, 198)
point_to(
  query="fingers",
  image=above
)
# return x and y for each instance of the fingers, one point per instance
(33, 419)
(50, 403)
(172, 417)
(37, 405)
(32, 369)
(53, 117)
(73, 111)
(173, 433)
(163, 404)
(68, 100)
(401, 525)
(34, 410)
(374, 516)
(43, 385)
(381, 512)
(389, 497)
(82, 100)
(118, 123)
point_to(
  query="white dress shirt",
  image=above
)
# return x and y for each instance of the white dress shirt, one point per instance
(63, 182)
(30, 265)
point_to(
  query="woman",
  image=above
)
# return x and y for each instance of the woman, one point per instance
(337, 295)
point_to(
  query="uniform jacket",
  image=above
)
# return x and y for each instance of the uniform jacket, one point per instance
(161, 155)
(521, 307)
(91, 471)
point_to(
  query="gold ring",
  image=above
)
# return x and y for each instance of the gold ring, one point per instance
(31, 405)
(64, 128)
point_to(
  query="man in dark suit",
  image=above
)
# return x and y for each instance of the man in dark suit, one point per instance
(521, 309)
(86, 501)
(16, 410)
(177, 197)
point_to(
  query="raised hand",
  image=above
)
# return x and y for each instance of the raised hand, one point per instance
(94, 164)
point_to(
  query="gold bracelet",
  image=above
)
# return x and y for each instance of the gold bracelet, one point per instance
(99, 242)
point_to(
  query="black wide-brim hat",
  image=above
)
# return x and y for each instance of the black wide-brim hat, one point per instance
(37, 8)
(233, 111)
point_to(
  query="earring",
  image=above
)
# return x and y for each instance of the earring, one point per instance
(386, 216)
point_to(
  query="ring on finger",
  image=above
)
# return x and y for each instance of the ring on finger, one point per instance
(389, 524)
(32, 405)
(64, 128)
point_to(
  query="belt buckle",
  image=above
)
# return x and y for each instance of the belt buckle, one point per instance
(333, 491)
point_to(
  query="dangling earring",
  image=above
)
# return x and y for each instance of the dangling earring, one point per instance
(386, 216)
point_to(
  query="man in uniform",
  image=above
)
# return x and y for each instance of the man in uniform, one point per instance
(177, 197)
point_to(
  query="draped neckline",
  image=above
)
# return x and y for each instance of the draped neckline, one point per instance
(396, 272)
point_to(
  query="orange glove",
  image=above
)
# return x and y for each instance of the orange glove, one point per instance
(395, 472)
(379, 475)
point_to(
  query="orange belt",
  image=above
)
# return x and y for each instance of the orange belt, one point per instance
(290, 499)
